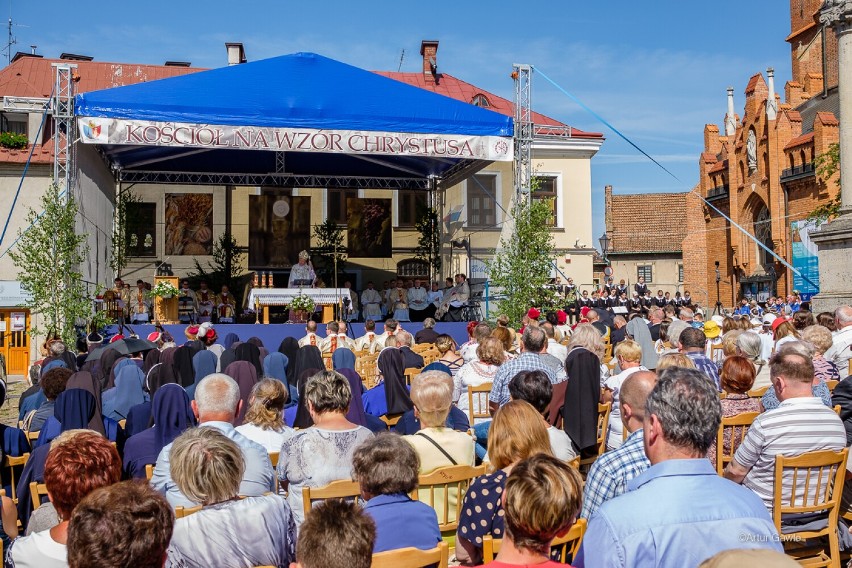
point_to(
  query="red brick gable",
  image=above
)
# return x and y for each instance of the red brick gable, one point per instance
(647, 222)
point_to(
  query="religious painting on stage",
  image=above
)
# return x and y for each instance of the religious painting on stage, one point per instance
(279, 227)
(189, 224)
(140, 231)
(369, 227)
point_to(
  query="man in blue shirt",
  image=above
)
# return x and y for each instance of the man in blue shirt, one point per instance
(217, 404)
(679, 512)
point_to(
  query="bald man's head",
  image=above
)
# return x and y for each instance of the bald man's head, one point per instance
(634, 392)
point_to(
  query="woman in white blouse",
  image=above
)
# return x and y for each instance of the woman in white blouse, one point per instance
(489, 357)
(264, 420)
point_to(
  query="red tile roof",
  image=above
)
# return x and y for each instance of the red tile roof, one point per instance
(709, 157)
(719, 167)
(33, 76)
(633, 233)
(799, 140)
(455, 88)
(752, 83)
(827, 118)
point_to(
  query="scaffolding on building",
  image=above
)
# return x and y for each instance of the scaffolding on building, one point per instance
(62, 108)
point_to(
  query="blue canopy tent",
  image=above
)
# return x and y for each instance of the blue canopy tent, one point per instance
(299, 120)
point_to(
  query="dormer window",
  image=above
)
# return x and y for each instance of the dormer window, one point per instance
(481, 100)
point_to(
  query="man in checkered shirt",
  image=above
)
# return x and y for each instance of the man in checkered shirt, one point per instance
(610, 473)
(533, 344)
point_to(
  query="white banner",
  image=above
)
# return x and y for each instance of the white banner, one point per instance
(174, 134)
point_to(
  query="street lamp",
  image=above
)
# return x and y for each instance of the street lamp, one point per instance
(604, 241)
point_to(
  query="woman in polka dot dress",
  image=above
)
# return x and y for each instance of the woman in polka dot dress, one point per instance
(517, 433)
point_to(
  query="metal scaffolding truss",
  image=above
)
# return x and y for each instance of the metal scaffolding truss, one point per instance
(271, 179)
(524, 129)
(62, 108)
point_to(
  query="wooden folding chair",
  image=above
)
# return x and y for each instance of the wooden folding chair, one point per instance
(430, 356)
(149, 471)
(738, 426)
(477, 402)
(181, 512)
(410, 373)
(37, 491)
(758, 393)
(717, 352)
(326, 359)
(831, 385)
(12, 462)
(436, 488)
(390, 421)
(341, 489)
(568, 545)
(122, 423)
(413, 557)
(419, 348)
(32, 437)
(603, 425)
(817, 486)
(273, 457)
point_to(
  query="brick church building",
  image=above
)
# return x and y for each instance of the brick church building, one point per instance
(759, 170)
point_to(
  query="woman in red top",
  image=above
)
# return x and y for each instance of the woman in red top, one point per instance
(541, 502)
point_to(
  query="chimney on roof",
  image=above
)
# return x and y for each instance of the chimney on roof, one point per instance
(730, 118)
(236, 53)
(771, 103)
(429, 51)
(608, 224)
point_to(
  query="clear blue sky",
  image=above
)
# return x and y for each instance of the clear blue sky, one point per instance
(656, 70)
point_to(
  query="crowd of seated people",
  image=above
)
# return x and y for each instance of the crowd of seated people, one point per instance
(227, 442)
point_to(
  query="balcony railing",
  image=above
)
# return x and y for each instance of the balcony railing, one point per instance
(718, 192)
(797, 172)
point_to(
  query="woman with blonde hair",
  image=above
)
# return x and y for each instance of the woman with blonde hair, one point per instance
(490, 355)
(446, 346)
(674, 360)
(264, 421)
(208, 466)
(506, 339)
(783, 331)
(517, 433)
(582, 391)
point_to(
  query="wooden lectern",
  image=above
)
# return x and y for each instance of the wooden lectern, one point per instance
(166, 310)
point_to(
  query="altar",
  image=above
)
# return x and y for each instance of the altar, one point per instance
(327, 298)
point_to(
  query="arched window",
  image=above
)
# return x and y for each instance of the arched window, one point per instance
(763, 233)
(803, 156)
(792, 160)
(766, 164)
(742, 173)
(481, 100)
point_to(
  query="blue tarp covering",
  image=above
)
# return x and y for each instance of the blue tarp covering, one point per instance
(302, 90)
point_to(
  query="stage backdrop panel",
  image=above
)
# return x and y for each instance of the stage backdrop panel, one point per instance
(189, 224)
(279, 227)
(369, 227)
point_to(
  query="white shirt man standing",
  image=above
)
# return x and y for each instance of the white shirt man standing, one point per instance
(841, 351)
(311, 337)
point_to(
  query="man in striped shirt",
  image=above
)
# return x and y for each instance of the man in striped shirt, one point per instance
(801, 424)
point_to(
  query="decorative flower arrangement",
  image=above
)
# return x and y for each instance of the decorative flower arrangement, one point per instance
(164, 290)
(302, 304)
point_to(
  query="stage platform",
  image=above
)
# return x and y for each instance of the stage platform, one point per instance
(273, 334)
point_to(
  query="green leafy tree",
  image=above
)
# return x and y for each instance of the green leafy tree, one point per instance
(329, 238)
(123, 226)
(521, 266)
(429, 241)
(827, 164)
(225, 268)
(48, 257)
